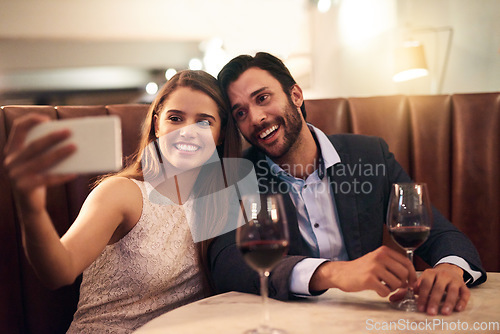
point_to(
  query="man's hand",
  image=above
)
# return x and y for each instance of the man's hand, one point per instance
(383, 270)
(441, 283)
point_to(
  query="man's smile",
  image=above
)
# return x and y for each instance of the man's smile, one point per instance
(268, 132)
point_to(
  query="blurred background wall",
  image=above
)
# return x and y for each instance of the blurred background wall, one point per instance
(108, 51)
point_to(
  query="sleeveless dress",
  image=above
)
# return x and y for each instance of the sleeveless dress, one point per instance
(151, 270)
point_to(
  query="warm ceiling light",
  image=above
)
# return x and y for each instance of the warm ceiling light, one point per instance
(195, 64)
(410, 62)
(324, 5)
(152, 88)
(169, 73)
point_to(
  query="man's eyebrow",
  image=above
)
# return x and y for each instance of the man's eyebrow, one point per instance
(258, 91)
(236, 106)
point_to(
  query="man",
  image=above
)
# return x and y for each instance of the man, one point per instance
(336, 235)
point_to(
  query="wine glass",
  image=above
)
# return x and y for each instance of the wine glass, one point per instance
(263, 239)
(409, 220)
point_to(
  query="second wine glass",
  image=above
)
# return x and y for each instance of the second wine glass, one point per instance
(409, 220)
(263, 239)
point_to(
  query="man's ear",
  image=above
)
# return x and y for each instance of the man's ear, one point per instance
(296, 95)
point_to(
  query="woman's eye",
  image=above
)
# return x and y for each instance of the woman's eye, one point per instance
(174, 119)
(204, 123)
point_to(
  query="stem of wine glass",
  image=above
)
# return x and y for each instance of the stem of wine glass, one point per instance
(409, 293)
(264, 326)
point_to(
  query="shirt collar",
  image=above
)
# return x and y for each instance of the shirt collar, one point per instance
(329, 155)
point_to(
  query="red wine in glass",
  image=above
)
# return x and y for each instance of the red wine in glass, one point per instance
(409, 220)
(262, 239)
(263, 254)
(410, 237)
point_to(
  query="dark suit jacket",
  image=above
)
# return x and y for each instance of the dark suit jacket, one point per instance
(361, 185)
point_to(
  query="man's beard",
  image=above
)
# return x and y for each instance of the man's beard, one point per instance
(292, 125)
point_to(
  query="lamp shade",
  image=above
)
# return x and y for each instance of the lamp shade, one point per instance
(410, 62)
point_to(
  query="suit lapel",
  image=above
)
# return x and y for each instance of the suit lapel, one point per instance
(345, 200)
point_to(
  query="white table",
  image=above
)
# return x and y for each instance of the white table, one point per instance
(333, 312)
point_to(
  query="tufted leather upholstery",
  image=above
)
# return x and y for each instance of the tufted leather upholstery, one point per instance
(452, 142)
(475, 166)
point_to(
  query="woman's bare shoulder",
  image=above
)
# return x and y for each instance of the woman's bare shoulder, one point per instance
(113, 183)
(119, 192)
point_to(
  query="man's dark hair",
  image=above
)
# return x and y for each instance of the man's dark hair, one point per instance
(265, 61)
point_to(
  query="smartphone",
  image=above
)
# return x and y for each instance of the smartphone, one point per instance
(98, 140)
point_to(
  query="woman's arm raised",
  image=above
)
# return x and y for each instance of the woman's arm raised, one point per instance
(109, 212)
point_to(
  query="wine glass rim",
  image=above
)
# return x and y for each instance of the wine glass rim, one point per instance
(410, 185)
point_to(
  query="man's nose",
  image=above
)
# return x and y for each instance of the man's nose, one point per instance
(257, 115)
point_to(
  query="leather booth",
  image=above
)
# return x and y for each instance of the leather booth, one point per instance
(452, 142)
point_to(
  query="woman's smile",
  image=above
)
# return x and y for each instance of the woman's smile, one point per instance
(186, 147)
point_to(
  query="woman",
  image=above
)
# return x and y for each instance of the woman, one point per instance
(137, 255)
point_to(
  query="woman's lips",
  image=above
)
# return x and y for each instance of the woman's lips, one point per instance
(188, 148)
